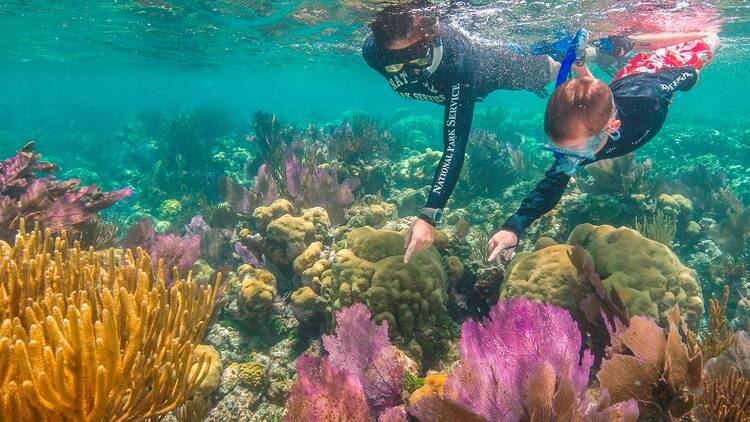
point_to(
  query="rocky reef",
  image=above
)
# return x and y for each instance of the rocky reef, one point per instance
(626, 302)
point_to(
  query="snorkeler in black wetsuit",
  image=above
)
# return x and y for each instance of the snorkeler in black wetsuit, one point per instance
(424, 60)
(587, 121)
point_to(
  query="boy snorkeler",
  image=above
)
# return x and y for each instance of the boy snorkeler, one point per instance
(587, 120)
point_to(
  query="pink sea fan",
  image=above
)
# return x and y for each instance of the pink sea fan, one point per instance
(499, 353)
(358, 340)
(176, 251)
(363, 349)
(323, 393)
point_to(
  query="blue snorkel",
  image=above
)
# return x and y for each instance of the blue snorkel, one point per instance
(576, 52)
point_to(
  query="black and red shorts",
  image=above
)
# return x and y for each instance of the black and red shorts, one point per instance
(692, 53)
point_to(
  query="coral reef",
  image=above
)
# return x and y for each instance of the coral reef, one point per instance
(83, 331)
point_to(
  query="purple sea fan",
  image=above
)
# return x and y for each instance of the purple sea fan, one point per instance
(176, 251)
(323, 393)
(363, 349)
(521, 347)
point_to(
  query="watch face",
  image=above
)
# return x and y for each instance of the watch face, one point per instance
(438, 216)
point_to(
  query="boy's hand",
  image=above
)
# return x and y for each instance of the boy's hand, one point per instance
(503, 241)
(420, 237)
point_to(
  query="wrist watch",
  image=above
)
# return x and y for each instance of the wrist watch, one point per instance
(433, 216)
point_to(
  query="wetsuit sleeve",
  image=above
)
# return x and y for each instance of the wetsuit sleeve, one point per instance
(541, 200)
(459, 112)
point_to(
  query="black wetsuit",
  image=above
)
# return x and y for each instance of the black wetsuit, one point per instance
(469, 71)
(642, 102)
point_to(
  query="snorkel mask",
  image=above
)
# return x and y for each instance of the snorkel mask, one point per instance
(569, 159)
(416, 62)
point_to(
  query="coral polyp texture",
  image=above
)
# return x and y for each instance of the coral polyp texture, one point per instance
(371, 270)
(88, 336)
(647, 275)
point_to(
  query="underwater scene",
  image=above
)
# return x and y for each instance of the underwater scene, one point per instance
(360, 210)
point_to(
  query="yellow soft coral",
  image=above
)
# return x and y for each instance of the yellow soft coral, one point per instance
(87, 337)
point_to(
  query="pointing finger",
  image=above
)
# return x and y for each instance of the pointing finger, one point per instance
(408, 254)
(495, 254)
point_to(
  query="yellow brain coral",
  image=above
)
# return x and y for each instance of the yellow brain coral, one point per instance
(648, 276)
(264, 215)
(546, 275)
(213, 374)
(86, 337)
(372, 270)
(287, 237)
(257, 290)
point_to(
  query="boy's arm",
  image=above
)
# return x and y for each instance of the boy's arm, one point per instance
(541, 200)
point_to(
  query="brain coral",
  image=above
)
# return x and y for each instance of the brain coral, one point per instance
(647, 275)
(546, 275)
(372, 270)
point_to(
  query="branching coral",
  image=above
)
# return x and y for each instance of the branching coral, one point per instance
(659, 371)
(661, 228)
(56, 204)
(718, 337)
(88, 337)
(734, 230)
(621, 176)
(359, 138)
(727, 398)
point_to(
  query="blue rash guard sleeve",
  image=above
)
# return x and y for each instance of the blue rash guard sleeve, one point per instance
(459, 112)
(540, 201)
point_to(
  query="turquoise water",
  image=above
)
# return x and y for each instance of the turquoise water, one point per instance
(90, 65)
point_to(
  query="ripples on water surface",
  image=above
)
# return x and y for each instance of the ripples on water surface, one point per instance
(247, 33)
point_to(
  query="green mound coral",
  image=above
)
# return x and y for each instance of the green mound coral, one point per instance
(372, 270)
(648, 276)
(546, 275)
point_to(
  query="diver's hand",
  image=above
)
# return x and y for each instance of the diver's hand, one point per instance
(420, 237)
(503, 241)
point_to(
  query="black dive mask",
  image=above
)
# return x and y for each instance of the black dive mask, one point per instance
(413, 61)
